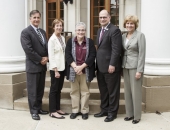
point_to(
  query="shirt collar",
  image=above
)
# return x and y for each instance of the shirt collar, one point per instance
(34, 27)
(105, 28)
(75, 40)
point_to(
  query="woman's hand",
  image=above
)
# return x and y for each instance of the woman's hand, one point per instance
(78, 69)
(138, 75)
(57, 74)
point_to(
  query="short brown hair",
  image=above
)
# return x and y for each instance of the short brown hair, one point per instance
(132, 18)
(56, 21)
(34, 12)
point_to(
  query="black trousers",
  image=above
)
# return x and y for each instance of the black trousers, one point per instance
(35, 87)
(109, 86)
(55, 91)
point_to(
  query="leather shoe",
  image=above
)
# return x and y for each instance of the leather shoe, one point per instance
(73, 115)
(51, 115)
(101, 114)
(135, 121)
(62, 113)
(85, 116)
(35, 116)
(109, 118)
(42, 112)
(128, 118)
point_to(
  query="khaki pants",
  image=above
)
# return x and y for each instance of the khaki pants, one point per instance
(80, 94)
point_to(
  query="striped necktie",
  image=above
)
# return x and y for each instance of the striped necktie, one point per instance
(39, 34)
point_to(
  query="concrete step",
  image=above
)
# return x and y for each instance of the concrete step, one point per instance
(93, 84)
(22, 104)
(65, 93)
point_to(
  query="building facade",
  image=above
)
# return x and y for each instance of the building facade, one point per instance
(153, 22)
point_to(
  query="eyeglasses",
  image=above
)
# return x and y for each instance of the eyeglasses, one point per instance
(80, 30)
(102, 17)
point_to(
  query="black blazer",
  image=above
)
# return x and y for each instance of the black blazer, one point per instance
(90, 61)
(109, 49)
(34, 49)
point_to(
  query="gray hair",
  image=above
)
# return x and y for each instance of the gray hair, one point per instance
(81, 24)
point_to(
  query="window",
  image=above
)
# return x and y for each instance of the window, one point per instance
(96, 6)
(55, 9)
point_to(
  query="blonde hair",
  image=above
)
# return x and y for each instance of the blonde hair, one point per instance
(132, 18)
(56, 21)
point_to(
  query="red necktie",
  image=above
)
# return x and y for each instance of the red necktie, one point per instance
(101, 35)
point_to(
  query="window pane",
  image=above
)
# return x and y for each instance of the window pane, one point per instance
(114, 11)
(52, 6)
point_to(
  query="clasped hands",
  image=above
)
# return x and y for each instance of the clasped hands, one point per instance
(44, 60)
(78, 70)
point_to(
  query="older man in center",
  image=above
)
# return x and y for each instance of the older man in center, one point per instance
(80, 56)
(109, 47)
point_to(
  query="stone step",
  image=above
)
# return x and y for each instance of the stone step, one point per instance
(93, 84)
(22, 104)
(65, 93)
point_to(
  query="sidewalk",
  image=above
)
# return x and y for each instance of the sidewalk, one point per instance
(21, 120)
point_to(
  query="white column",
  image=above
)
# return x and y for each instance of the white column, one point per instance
(129, 7)
(73, 15)
(121, 14)
(12, 57)
(155, 24)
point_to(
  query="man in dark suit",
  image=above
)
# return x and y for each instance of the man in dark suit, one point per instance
(109, 46)
(34, 43)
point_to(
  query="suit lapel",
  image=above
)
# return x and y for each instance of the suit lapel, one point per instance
(131, 39)
(105, 33)
(57, 41)
(36, 35)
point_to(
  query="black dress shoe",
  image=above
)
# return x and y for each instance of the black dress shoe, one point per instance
(42, 112)
(128, 118)
(85, 116)
(101, 114)
(63, 113)
(51, 115)
(135, 121)
(109, 118)
(73, 115)
(35, 116)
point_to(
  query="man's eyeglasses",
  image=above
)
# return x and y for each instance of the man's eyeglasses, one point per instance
(102, 17)
(81, 30)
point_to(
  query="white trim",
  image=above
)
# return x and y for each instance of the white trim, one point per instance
(157, 69)
(88, 18)
(12, 64)
(44, 14)
(78, 11)
(26, 13)
(157, 66)
(65, 17)
(157, 61)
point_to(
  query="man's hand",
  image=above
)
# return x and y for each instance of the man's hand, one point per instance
(111, 69)
(44, 60)
(138, 75)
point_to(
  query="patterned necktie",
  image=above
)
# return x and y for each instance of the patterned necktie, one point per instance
(41, 39)
(101, 35)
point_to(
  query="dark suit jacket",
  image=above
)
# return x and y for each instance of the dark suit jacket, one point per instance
(34, 49)
(109, 49)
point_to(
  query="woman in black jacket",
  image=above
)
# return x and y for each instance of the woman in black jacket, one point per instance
(80, 57)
